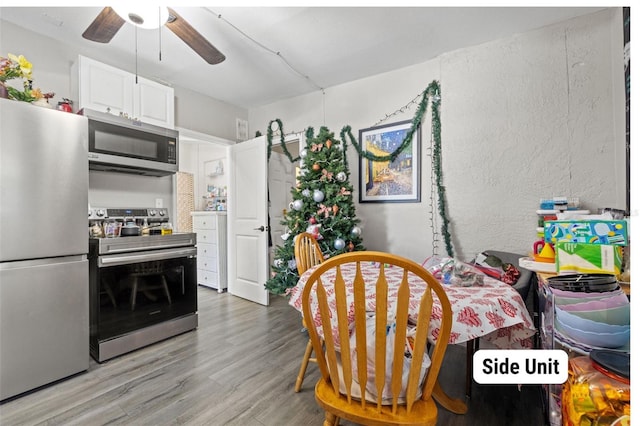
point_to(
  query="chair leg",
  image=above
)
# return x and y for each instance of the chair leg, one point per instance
(330, 419)
(469, 365)
(134, 292)
(303, 366)
(472, 347)
(165, 287)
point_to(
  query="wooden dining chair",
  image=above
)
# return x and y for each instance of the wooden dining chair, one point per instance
(350, 364)
(307, 253)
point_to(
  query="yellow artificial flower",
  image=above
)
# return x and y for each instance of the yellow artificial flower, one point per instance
(25, 66)
(37, 93)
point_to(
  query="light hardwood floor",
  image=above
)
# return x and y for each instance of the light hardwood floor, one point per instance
(238, 368)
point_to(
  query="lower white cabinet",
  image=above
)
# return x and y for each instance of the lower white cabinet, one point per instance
(211, 241)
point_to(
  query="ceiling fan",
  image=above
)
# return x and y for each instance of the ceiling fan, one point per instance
(108, 22)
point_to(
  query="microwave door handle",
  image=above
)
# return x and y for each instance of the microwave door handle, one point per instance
(115, 260)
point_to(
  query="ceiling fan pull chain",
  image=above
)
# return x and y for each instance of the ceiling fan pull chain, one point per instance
(159, 34)
(136, 37)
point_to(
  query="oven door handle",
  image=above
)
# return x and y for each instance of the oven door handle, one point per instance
(147, 256)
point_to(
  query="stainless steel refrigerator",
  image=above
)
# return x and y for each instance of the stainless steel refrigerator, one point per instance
(44, 290)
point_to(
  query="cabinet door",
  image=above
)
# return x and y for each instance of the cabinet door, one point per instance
(153, 103)
(103, 87)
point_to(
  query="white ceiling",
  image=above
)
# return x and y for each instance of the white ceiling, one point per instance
(318, 47)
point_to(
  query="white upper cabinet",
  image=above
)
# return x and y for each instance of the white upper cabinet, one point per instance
(153, 103)
(103, 88)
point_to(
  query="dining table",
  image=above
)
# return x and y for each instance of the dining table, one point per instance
(493, 311)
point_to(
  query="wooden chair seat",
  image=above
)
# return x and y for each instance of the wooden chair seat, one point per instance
(422, 412)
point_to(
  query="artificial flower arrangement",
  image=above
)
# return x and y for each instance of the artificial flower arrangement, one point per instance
(19, 67)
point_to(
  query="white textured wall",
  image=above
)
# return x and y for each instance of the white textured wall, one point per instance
(535, 115)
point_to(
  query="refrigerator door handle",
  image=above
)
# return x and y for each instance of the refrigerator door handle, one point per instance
(17, 264)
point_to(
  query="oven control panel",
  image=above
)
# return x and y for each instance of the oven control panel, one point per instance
(151, 214)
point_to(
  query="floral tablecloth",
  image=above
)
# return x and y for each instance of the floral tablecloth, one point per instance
(494, 311)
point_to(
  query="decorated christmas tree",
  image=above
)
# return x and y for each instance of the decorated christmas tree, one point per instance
(322, 205)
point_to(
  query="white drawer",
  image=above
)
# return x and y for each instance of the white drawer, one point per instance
(208, 278)
(208, 263)
(207, 236)
(204, 222)
(207, 250)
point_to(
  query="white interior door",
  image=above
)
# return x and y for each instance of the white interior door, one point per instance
(247, 214)
(282, 177)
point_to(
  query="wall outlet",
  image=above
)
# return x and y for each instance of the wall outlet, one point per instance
(158, 203)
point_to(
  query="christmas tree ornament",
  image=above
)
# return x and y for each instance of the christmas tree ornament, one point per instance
(297, 205)
(312, 220)
(285, 236)
(335, 209)
(326, 175)
(339, 244)
(303, 153)
(316, 167)
(356, 231)
(328, 143)
(318, 195)
(306, 193)
(315, 231)
(323, 210)
(341, 176)
(292, 264)
(278, 263)
(274, 126)
(350, 246)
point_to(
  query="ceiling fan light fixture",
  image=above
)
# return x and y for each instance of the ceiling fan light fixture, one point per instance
(146, 17)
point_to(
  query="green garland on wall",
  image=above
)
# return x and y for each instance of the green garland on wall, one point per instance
(431, 92)
(282, 142)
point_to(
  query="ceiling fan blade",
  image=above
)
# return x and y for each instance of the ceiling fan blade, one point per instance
(104, 27)
(193, 39)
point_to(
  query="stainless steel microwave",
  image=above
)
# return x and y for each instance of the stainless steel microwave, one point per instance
(120, 144)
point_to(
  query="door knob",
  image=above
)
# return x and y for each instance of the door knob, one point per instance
(261, 229)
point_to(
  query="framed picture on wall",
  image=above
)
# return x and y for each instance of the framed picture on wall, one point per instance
(388, 181)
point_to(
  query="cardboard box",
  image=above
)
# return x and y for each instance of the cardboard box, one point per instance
(612, 232)
(588, 258)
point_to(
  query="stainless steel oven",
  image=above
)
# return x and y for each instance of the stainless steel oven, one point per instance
(142, 289)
